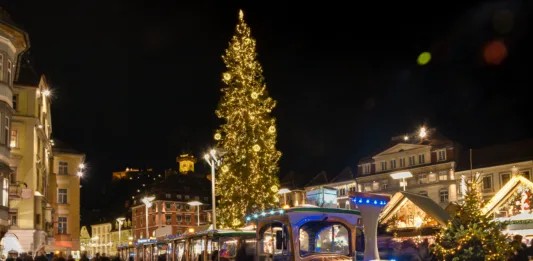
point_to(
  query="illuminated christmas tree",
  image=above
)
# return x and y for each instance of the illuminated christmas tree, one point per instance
(247, 178)
(471, 235)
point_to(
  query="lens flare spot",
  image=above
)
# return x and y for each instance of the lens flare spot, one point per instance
(424, 58)
(494, 52)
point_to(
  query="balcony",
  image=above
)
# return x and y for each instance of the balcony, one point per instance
(15, 191)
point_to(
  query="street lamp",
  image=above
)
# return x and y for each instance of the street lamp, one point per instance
(147, 203)
(197, 204)
(402, 176)
(214, 162)
(120, 221)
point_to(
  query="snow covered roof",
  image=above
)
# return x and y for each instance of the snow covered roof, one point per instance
(424, 203)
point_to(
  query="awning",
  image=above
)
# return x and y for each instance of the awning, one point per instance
(426, 204)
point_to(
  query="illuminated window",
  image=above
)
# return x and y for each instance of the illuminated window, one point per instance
(179, 219)
(63, 168)
(62, 196)
(422, 179)
(61, 225)
(443, 175)
(188, 219)
(14, 139)
(5, 192)
(187, 207)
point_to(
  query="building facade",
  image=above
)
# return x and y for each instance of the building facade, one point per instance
(13, 42)
(170, 214)
(344, 183)
(85, 241)
(31, 150)
(430, 157)
(101, 240)
(122, 236)
(64, 195)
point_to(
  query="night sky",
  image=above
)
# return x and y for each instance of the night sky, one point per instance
(136, 84)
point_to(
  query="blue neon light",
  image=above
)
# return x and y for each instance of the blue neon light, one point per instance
(368, 201)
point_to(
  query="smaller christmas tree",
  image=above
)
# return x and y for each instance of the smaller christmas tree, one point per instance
(470, 235)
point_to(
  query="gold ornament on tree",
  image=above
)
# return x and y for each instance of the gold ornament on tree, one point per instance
(256, 148)
(274, 188)
(218, 136)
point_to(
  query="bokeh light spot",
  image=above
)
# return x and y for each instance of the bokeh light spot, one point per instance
(424, 58)
(494, 52)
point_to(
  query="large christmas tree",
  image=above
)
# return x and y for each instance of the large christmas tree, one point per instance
(247, 181)
(471, 235)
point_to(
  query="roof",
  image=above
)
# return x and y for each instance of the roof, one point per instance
(434, 139)
(26, 74)
(320, 179)
(505, 192)
(424, 203)
(61, 147)
(345, 175)
(498, 154)
(293, 181)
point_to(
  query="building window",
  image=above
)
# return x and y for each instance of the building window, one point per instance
(1, 67)
(187, 207)
(366, 169)
(180, 207)
(5, 192)
(422, 179)
(13, 218)
(441, 155)
(342, 192)
(384, 186)
(375, 186)
(178, 196)
(187, 197)
(63, 168)
(443, 195)
(179, 219)
(62, 196)
(383, 165)
(423, 193)
(168, 219)
(62, 225)
(487, 183)
(13, 176)
(504, 178)
(393, 164)
(15, 102)
(367, 187)
(187, 219)
(9, 67)
(443, 175)
(168, 195)
(411, 160)
(421, 159)
(14, 139)
(6, 133)
(525, 173)
(402, 162)
(168, 206)
(433, 177)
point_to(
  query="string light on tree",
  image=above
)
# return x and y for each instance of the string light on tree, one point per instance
(471, 235)
(249, 134)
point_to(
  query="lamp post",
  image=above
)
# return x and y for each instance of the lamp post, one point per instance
(120, 221)
(197, 204)
(214, 162)
(147, 203)
(402, 176)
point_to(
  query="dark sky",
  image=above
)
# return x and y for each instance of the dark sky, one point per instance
(136, 83)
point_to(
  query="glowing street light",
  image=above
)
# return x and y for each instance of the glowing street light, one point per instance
(81, 166)
(422, 133)
(80, 174)
(402, 175)
(197, 204)
(214, 162)
(147, 203)
(120, 221)
(47, 93)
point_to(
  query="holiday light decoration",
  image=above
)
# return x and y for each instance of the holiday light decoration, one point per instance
(248, 135)
(471, 234)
